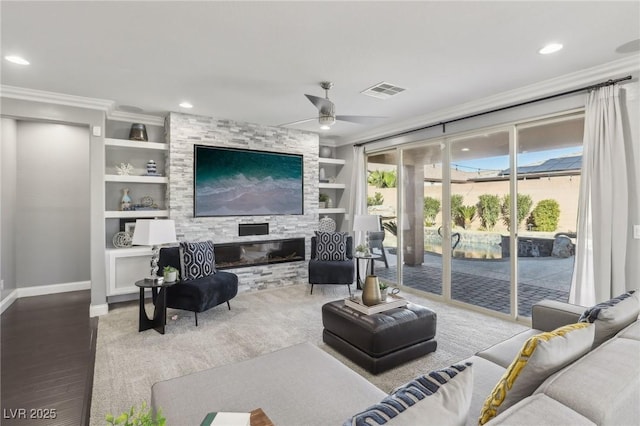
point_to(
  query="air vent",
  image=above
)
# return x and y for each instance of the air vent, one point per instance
(383, 90)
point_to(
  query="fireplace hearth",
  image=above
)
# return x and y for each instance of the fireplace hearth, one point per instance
(253, 253)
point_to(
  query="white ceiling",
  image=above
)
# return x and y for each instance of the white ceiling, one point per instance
(253, 61)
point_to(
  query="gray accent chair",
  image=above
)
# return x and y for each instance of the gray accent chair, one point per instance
(338, 272)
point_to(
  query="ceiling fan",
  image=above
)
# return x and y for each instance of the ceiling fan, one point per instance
(327, 114)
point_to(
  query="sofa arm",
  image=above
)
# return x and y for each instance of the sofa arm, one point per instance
(547, 315)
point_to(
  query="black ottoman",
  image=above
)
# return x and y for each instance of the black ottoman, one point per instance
(380, 341)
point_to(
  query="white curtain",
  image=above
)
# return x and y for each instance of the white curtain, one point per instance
(599, 269)
(359, 195)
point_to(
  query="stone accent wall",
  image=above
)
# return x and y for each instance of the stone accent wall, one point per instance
(183, 132)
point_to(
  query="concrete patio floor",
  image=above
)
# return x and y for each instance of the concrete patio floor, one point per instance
(486, 283)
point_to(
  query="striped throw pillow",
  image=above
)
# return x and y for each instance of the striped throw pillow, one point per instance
(438, 398)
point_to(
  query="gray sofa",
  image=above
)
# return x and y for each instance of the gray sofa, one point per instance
(303, 385)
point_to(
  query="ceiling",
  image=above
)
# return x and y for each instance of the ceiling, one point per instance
(254, 61)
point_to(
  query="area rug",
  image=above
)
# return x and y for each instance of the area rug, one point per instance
(128, 362)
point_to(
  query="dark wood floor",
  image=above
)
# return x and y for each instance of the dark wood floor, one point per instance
(47, 358)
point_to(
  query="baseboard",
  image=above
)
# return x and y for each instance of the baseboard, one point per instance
(41, 290)
(8, 301)
(97, 310)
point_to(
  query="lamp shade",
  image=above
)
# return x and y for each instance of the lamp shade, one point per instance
(366, 222)
(154, 232)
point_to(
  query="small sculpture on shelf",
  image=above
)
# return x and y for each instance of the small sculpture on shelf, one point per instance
(152, 168)
(125, 204)
(124, 169)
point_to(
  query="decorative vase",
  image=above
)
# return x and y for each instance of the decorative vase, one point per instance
(322, 173)
(371, 291)
(138, 132)
(325, 152)
(125, 204)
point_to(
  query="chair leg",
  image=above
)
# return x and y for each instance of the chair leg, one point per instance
(349, 287)
(228, 305)
(311, 288)
(196, 314)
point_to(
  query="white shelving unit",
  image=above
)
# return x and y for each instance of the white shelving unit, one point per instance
(124, 266)
(334, 190)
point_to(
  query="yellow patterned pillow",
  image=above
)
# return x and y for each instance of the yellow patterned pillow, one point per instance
(540, 356)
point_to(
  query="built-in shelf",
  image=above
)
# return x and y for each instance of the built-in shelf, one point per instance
(332, 185)
(335, 161)
(129, 251)
(114, 214)
(332, 210)
(123, 143)
(136, 179)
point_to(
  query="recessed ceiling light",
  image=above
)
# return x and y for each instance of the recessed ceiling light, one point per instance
(186, 105)
(465, 149)
(550, 48)
(17, 60)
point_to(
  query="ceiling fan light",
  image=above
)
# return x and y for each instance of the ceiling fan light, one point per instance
(326, 121)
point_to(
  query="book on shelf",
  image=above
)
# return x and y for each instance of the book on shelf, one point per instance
(226, 419)
(392, 302)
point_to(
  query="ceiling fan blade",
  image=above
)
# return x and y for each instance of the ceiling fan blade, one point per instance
(360, 119)
(323, 104)
(293, 123)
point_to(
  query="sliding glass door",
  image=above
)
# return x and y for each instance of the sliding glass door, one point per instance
(480, 268)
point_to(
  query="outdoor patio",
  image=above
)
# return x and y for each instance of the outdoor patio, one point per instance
(486, 283)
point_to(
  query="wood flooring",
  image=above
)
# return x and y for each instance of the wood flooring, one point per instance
(46, 360)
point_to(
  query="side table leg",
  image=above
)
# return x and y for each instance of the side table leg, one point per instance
(160, 311)
(144, 323)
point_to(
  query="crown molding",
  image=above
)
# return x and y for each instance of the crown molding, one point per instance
(132, 117)
(33, 95)
(610, 70)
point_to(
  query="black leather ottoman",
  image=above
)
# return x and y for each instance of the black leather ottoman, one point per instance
(380, 341)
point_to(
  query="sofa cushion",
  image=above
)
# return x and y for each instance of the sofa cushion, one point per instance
(528, 412)
(485, 376)
(331, 245)
(612, 316)
(438, 398)
(197, 259)
(603, 386)
(540, 356)
(502, 353)
(631, 332)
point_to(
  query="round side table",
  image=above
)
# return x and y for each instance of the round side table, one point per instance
(159, 293)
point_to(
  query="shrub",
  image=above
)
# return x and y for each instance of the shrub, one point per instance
(376, 200)
(545, 216)
(467, 214)
(137, 417)
(488, 210)
(431, 210)
(524, 207)
(391, 226)
(456, 203)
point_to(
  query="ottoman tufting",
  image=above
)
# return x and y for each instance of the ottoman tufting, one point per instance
(380, 341)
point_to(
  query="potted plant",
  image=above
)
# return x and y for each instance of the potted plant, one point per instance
(323, 198)
(170, 274)
(361, 250)
(383, 290)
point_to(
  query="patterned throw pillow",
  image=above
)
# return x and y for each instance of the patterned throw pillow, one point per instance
(438, 398)
(197, 259)
(612, 316)
(331, 245)
(540, 356)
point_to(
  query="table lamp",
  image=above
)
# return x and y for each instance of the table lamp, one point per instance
(366, 223)
(154, 232)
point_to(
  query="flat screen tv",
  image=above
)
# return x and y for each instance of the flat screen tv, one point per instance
(239, 182)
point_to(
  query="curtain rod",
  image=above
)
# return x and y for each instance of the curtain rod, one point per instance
(466, 117)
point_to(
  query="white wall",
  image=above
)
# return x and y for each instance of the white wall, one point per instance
(631, 102)
(52, 204)
(8, 146)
